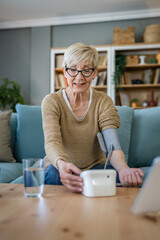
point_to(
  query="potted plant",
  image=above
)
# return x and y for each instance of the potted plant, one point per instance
(134, 103)
(10, 94)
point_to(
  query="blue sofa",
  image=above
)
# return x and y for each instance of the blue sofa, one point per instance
(139, 136)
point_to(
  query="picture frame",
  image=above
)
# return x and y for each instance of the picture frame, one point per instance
(124, 99)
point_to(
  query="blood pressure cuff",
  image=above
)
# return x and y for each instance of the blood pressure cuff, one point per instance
(109, 141)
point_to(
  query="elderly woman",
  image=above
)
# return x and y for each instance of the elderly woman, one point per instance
(73, 116)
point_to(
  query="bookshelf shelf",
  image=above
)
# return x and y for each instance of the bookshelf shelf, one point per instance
(101, 69)
(59, 70)
(139, 86)
(142, 66)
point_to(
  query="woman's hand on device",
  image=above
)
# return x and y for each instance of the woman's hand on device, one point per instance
(69, 175)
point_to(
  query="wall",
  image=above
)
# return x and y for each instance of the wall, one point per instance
(25, 53)
(97, 33)
(15, 46)
(40, 64)
(25, 58)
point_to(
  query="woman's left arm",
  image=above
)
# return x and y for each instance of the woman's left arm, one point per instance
(132, 176)
(109, 122)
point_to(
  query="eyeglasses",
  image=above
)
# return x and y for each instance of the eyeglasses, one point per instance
(74, 72)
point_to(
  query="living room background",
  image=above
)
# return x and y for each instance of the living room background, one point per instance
(25, 52)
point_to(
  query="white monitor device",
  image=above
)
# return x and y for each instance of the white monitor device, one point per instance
(98, 183)
(148, 199)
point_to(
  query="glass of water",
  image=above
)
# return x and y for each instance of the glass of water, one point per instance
(33, 174)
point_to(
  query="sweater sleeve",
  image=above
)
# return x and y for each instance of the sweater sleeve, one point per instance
(108, 114)
(52, 130)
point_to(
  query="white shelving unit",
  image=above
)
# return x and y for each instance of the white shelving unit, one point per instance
(54, 52)
(140, 49)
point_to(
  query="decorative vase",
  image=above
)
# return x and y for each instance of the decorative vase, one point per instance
(145, 103)
(142, 60)
(148, 76)
(152, 103)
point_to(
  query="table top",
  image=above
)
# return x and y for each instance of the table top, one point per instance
(61, 214)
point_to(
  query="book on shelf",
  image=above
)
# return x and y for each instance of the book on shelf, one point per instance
(57, 82)
(156, 78)
(102, 60)
(94, 81)
(126, 78)
(60, 81)
(59, 60)
(102, 77)
(123, 79)
(124, 98)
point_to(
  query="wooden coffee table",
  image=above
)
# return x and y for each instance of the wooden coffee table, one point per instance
(62, 215)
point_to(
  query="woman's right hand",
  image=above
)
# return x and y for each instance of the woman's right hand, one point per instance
(69, 175)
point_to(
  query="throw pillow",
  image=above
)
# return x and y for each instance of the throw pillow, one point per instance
(29, 135)
(145, 138)
(5, 149)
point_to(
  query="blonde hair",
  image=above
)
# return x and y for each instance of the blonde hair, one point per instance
(79, 53)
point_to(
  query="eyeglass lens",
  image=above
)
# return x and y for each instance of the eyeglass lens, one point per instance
(74, 72)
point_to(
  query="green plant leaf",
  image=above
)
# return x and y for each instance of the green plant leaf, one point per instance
(10, 94)
(120, 64)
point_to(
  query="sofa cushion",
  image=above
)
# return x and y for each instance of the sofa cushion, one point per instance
(10, 171)
(19, 180)
(124, 132)
(5, 132)
(30, 137)
(145, 137)
(13, 125)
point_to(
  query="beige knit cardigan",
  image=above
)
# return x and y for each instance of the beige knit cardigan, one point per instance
(74, 140)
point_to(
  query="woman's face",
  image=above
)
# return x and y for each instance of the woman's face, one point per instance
(82, 81)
